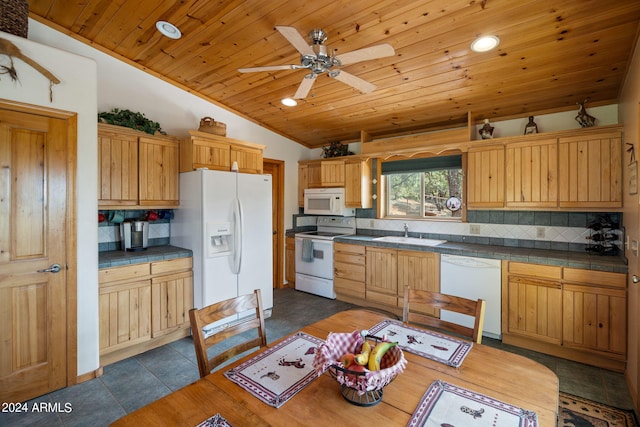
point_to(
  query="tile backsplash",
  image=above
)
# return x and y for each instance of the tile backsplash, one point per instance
(109, 233)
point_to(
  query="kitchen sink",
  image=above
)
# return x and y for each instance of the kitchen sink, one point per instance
(410, 240)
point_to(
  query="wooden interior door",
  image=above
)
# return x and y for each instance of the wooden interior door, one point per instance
(275, 168)
(33, 304)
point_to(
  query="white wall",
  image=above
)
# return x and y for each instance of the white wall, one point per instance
(630, 117)
(77, 92)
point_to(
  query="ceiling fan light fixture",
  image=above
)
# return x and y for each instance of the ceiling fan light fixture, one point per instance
(289, 102)
(485, 43)
(168, 29)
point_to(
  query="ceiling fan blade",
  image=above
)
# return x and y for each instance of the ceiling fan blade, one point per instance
(269, 68)
(367, 53)
(294, 37)
(305, 86)
(356, 82)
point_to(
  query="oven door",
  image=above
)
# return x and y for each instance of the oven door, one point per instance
(314, 257)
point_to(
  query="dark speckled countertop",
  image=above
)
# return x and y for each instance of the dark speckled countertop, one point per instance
(581, 260)
(152, 253)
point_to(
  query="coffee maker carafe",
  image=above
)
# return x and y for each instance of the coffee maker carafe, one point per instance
(134, 235)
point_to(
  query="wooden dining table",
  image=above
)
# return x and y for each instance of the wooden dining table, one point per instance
(501, 375)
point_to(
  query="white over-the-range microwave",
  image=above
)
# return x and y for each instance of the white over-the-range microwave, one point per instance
(326, 201)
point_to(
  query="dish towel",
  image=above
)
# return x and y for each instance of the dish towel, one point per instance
(307, 250)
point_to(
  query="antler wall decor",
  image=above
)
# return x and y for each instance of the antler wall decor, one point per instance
(11, 50)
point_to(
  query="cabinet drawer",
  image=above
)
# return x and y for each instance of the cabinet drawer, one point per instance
(176, 264)
(349, 271)
(129, 273)
(536, 270)
(348, 287)
(598, 278)
(351, 258)
(387, 299)
(346, 247)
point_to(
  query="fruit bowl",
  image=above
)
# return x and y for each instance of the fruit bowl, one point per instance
(362, 388)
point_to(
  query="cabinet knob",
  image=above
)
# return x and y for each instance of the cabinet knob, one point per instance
(635, 279)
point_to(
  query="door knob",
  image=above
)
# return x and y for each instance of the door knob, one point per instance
(53, 269)
(635, 279)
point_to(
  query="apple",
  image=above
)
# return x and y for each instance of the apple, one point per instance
(348, 360)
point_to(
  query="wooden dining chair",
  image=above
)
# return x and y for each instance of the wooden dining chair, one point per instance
(221, 310)
(415, 299)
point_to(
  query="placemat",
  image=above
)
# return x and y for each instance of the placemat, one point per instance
(432, 345)
(444, 404)
(277, 374)
(216, 421)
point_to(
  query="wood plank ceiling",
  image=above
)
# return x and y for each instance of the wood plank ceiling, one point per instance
(552, 55)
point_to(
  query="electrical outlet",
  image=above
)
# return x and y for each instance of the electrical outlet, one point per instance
(540, 231)
(474, 228)
(371, 223)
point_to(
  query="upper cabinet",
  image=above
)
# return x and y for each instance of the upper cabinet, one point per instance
(205, 150)
(136, 169)
(591, 175)
(485, 177)
(562, 170)
(532, 174)
(351, 172)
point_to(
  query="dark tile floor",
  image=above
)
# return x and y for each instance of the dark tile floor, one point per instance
(129, 384)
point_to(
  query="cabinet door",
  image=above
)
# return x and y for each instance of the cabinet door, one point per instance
(485, 177)
(303, 183)
(159, 172)
(249, 159)
(591, 172)
(382, 275)
(290, 261)
(357, 184)
(332, 173)
(532, 174)
(207, 153)
(124, 313)
(594, 318)
(418, 270)
(534, 309)
(171, 300)
(118, 169)
(314, 175)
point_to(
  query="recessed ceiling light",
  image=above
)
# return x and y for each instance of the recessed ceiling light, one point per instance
(289, 102)
(485, 43)
(168, 29)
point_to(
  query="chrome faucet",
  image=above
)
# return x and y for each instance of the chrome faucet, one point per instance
(406, 230)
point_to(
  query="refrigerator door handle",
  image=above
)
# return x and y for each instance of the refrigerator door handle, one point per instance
(237, 236)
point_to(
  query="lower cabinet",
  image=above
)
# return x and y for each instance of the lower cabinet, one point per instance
(577, 314)
(290, 261)
(143, 306)
(349, 271)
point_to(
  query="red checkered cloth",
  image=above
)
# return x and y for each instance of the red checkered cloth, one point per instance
(338, 344)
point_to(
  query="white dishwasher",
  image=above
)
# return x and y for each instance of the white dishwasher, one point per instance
(473, 278)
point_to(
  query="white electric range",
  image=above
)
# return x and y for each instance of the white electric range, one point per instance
(314, 254)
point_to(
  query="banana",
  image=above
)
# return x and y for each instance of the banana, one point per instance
(377, 353)
(363, 358)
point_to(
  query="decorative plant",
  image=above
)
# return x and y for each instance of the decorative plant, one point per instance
(131, 120)
(336, 149)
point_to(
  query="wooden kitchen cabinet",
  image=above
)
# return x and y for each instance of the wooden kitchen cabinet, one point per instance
(303, 182)
(594, 308)
(332, 173)
(534, 302)
(136, 169)
(357, 183)
(567, 312)
(290, 261)
(143, 306)
(485, 177)
(349, 264)
(532, 174)
(159, 172)
(418, 270)
(591, 172)
(205, 150)
(171, 295)
(381, 275)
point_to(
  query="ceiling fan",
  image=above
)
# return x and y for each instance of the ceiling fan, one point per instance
(316, 59)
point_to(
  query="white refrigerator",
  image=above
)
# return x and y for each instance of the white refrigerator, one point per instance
(225, 219)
